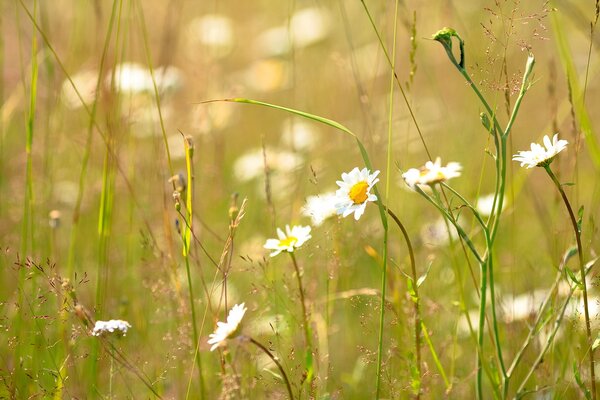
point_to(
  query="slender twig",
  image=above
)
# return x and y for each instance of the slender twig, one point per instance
(272, 357)
(577, 231)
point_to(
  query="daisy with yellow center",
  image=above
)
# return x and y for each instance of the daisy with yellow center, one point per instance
(431, 173)
(289, 240)
(355, 192)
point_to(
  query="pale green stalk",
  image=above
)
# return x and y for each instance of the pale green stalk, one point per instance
(27, 223)
(279, 366)
(385, 233)
(187, 237)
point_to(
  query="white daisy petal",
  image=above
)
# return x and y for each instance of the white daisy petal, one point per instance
(355, 192)
(431, 173)
(540, 156)
(293, 238)
(226, 330)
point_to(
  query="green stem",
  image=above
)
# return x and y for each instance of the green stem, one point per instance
(272, 357)
(416, 299)
(187, 234)
(588, 329)
(305, 324)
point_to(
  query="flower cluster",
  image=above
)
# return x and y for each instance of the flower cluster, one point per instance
(539, 156)
(226, 330)
(116, 326)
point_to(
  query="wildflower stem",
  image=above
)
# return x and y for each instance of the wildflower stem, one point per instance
(187, 234)
(577, 231)
(305, 324)
(414, 295)
(272, 357)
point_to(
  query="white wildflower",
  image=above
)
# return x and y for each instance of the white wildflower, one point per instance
(539, 156)
(116, 326)
(289, 240)
(227, 330)
(355, 192)
(431, 173)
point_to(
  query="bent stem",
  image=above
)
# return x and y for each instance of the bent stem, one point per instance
(577, 231)
(272, 357)
(414, 295)
(307, 339)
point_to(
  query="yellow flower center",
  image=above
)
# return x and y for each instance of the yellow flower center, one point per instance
(288, 241)
(358, 192)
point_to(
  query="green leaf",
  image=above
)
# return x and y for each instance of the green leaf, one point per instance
(580, 383)
(579, 219)
(596, 342)
(424, 276)
(571, 275)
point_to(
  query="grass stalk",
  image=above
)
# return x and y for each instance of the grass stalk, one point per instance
(187, 240)
(279, 366)
(577, 231)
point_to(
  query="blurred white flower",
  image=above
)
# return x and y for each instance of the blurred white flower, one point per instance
(485, 203)
(85, 82)
(130, 78)
(214, 31)
(226, 330)
(539, 156)
(289, 240)
(252, 164)
(438, 233)
(306, 27)
(355, 192)
(298, 134)
(431, 173)
(523, 306)
(116, 326)
(320, 207)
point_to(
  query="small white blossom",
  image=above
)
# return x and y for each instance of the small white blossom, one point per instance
(431, 173)
(116, 326)
(485, 203)
(320, 207)
(289, 240)
(539, 156)
(355, 192)
(226, 330)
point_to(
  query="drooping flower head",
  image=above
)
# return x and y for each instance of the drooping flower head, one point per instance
(320, 207)
(229, 329)
(539, 156)
(431, 173)
(114, 326)
(289, 240)
(355, 192)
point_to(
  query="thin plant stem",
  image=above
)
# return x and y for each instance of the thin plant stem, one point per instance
(272, 357)
(305, 323)
(415, 296)
(187, 235)
(575, 225)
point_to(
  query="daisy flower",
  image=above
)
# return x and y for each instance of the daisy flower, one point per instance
(226, 330)
(289, 240)
(484, 204)
(539, 156)
(355, 192)
(320, 207)
(431, 173)
(116, 326)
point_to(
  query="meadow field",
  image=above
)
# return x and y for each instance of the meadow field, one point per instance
(299, 199)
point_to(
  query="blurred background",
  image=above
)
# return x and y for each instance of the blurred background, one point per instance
(96, 98)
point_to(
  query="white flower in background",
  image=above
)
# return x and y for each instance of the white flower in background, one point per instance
(289, 240)
(355, 192)
(306, 27)
(431, 173)
(438, 233)
(214, 31)
(226, 330)
(252, 164)
(85, 82)
(298, 135)
(539, 156)
(267, 75)
(116, 326)
(320, 207)
(168, 79)
(130, 78)
(485, 203)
